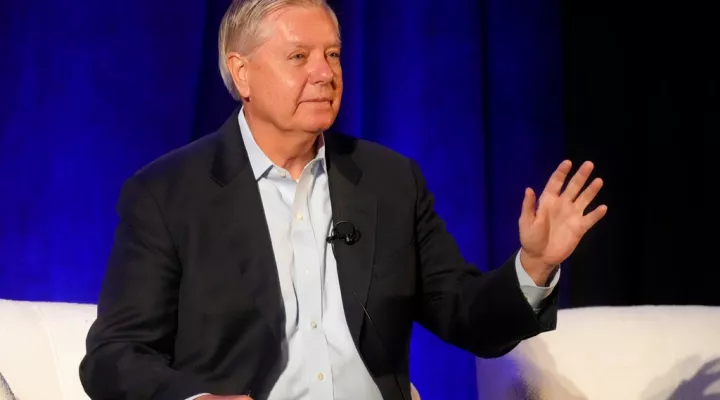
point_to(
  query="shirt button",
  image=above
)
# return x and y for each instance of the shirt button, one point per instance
(299, 217)
(313, 324)
(321, 376)
(283, 173)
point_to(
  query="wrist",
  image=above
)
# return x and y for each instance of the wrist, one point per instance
(536, 268)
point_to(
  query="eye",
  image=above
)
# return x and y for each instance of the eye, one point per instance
(297, 57)
(334, 54)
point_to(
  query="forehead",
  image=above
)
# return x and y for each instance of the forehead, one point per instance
(302, 26)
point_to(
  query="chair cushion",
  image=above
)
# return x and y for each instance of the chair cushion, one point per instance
(643, 352)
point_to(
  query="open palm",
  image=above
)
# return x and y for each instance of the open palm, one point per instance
(551, 232)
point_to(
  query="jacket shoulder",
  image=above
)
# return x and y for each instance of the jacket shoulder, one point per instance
(385, 171)
(188, 161)
(366, 152)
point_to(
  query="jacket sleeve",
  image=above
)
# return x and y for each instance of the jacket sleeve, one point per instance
(484, 313)
(130, 345)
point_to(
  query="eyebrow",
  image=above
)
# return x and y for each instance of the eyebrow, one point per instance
(337, 43)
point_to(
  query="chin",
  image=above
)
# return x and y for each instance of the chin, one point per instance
(318, 123)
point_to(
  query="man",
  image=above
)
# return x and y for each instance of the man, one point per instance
(272, 260)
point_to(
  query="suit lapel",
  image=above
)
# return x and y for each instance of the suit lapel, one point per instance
(240, 210)
(349, 203)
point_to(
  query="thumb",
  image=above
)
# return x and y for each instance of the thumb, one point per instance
(527, 215)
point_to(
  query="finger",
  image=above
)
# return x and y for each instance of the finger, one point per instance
(557, 179)
(592, 218)
(588, 195)
(578, 181)
(527, 215)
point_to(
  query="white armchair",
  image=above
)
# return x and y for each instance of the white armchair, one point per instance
(41, 346)
(643, 353)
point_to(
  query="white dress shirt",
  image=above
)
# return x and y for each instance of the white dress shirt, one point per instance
(322, 360)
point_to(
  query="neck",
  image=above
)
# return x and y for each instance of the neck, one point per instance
(291, 150)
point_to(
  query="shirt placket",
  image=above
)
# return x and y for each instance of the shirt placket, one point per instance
(309, 289)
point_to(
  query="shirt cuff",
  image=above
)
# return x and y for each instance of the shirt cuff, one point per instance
(198, 395)
(534, 294)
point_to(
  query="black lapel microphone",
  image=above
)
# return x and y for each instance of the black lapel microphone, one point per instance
(345, 232)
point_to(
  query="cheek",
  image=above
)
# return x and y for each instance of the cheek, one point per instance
(339, 86)
(279, 88)
(337, 70)
(289, 87)
(338, 92)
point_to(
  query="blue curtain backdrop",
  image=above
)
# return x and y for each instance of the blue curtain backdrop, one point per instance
(94, 90)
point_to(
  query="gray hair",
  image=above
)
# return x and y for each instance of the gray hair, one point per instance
(240, 29)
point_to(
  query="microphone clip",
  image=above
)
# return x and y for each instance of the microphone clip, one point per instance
(344, 231)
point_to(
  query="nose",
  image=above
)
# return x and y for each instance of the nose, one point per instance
(321, 72)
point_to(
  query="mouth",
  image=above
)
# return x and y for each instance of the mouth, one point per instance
(318, 100)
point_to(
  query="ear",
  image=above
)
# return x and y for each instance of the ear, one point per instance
(238, 67)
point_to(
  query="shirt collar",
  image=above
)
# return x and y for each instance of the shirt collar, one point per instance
(259, 161)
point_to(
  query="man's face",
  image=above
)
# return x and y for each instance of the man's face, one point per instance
(294, 79)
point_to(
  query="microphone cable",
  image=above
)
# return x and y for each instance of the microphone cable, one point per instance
(350, 238)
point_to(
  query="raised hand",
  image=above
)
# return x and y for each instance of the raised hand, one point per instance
(552, 231)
